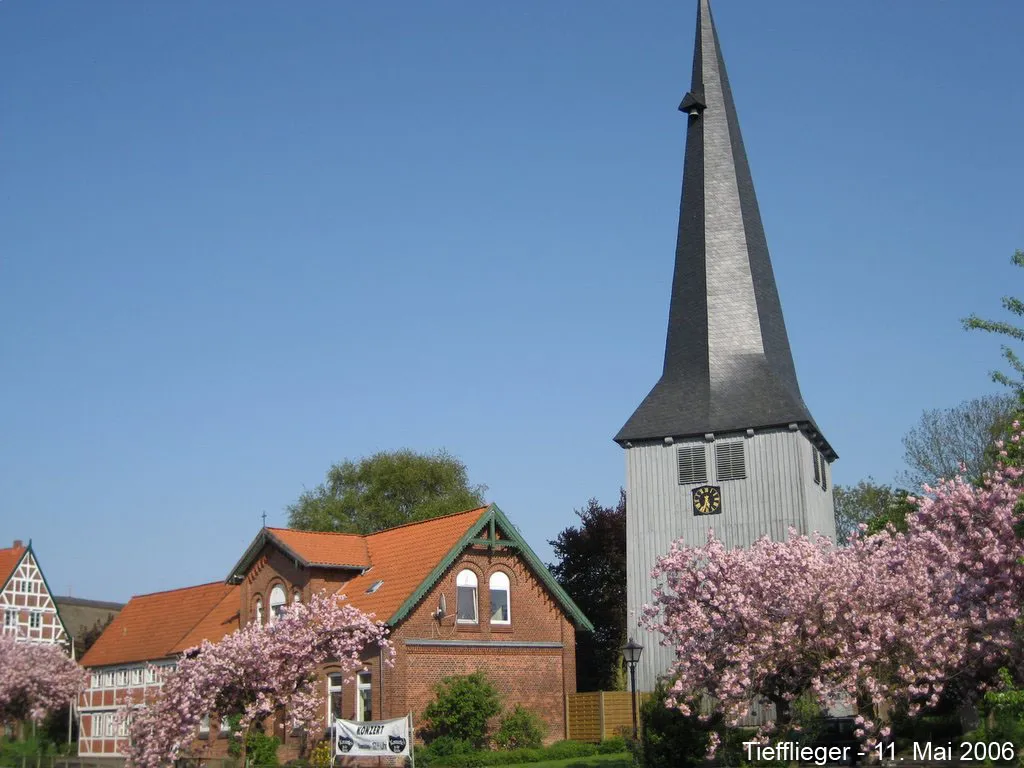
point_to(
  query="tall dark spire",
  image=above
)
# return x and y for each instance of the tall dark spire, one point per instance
(728, 364)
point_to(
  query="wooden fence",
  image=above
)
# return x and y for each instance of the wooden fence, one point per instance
(600, 715)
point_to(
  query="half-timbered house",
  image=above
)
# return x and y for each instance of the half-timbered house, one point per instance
(29, 611)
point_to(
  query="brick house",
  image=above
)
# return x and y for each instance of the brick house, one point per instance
(460, 593)
(30, 613)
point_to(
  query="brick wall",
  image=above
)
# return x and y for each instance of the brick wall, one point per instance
(536, 667)
(537, 674)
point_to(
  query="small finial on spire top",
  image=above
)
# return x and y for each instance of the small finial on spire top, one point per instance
(264, 519)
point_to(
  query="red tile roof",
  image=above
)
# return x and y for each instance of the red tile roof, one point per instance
(403, 557)
(222, 620)
(164, 624)
(9, 559)
(152, 626)
(331, 549)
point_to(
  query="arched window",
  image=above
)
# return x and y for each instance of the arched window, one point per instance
(500, 604)
(278, 600)
(259, 610)
(465, 588)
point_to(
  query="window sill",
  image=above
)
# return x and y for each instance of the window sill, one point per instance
(506, 628)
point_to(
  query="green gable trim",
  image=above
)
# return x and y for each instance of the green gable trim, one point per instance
(493, 516)
(494, 543)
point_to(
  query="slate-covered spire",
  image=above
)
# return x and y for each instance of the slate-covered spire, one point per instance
(728, 364)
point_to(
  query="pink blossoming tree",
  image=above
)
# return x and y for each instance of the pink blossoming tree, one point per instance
(35, 680)
(255, 672)
(891, 619)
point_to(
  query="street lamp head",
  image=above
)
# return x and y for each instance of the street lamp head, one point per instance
(631, 652)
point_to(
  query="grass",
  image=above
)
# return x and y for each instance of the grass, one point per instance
(620, 760)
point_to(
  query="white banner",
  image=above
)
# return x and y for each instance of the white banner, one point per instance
(373, 738)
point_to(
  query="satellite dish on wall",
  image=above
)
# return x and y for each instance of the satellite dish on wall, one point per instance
(442, 608)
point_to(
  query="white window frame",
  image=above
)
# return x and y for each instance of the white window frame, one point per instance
(136, 676)
(465, 580)
(277, 601)
(150, 674)
(204, 726)
(259, 611)
(108, 724)
(364, 682)
(108, 678)
(95, 680)
(35, 619)
(334, 685)
(500, 582)
(10, 618)
(121, 678)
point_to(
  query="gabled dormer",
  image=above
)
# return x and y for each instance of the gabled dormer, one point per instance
(282, 565)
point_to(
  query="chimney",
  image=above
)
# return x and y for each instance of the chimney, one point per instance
(18, 544)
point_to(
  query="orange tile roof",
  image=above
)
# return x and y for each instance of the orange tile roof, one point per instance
(318, 548)
(403, 557)
(222, 620)
(9, 559)
(152, 626)
(164, 624)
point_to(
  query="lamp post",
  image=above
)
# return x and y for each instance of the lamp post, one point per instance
(631, 653)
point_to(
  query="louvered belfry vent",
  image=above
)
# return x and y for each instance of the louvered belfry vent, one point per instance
(730, 462)
(693, 466)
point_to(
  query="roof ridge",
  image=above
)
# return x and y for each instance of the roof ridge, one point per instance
(178, 589)
(365, 536)
(428, 520)
(327, 533)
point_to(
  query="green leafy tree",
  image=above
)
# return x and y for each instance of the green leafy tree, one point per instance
(591, 568)
(385, 490)
(1014, 380)
(461, 709)
(946, 438)
(894, 514)
(860, 503)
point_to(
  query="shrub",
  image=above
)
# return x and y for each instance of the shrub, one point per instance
(461, 709)
(612, 746)
(322, 755)
(668, 738)
(445, 746)
(520, 729)
(421, 756)
(468, 760)
(260, 749)
(561, 750)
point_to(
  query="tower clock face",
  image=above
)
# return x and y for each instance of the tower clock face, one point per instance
(707, 500)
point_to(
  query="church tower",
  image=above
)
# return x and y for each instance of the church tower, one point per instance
(724, 439)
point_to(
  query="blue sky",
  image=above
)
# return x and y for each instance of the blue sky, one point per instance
(242, 241)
